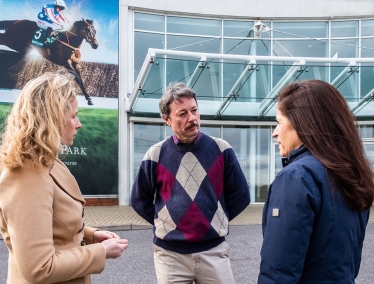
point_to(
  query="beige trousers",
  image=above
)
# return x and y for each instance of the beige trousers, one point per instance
(206, 267)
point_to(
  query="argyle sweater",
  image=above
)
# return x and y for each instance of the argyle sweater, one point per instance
(189, 193)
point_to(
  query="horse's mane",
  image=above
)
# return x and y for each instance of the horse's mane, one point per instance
(77, 25)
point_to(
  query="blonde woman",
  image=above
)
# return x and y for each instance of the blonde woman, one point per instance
(41, 206)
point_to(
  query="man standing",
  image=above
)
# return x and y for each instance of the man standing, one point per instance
(189, 187)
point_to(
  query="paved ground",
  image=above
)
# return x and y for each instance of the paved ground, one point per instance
(119, 218)
(135, 266)
(124, 218)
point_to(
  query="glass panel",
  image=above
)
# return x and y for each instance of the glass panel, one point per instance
(179, 70)
(214, 131)
(145, 135)
(367, 131)
(277, 160)
(253, 87)
(307, 48)
(246, 47)
(300, 29)
(149, 22)
(348, 82)
(143, 41)
(369, 149)
(194, 26)
(169, 132)
(344, 29)
(252, 148)
(193, 43)
(153, 87)
(313, 72)
(367, 28)
(237, 28)
(345, 48)
(367, 50)
(367, 75)
(208, 84)
(279, 72)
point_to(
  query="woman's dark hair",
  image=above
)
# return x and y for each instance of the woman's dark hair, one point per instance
(326, 126)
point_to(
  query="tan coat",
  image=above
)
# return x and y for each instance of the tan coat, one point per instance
(41, 223)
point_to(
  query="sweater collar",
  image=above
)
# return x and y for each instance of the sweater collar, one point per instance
(178, 142)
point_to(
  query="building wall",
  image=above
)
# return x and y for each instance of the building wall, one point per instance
(239, 9)
(274, 9)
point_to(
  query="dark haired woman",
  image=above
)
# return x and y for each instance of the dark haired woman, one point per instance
(317, 207)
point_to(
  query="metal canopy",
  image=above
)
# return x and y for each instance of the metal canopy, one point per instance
(245, 87)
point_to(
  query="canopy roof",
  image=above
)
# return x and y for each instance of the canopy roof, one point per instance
(245, 87)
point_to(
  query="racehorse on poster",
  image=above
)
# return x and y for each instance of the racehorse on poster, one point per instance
(64, 51)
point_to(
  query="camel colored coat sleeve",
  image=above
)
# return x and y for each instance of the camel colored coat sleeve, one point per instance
(42, 225)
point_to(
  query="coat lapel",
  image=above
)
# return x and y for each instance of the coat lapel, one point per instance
(65, 180)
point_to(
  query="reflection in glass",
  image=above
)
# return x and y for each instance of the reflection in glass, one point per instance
(277, 160)
(196, 26)
(367, 74)
(252, 148)
(237, 28)
(194, 44)
(369, 150)
(367, 49)
(367, 131)
(180, 70)
(344, 29)
(300, 29)
(149, 22)
(153, 87)
(143, 41)
(145, 135)
(214, 131)
(367, 28)
(344, 48)
(302, 48)
(253, 87)
(207, 86)
(348, 83)
(246, 47)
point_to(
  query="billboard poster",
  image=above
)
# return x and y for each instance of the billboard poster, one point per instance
(86, 45)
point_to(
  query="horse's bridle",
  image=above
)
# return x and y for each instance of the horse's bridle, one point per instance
(90, 32)
(89, 36)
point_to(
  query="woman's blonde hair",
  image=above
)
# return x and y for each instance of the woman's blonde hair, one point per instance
(34, 127)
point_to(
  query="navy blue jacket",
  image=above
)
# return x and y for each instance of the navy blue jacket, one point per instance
(310, 235)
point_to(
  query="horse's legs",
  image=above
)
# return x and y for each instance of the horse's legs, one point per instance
(72, 68)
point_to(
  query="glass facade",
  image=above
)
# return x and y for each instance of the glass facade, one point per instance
(215, 79)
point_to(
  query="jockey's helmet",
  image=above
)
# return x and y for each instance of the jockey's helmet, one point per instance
(60, 4)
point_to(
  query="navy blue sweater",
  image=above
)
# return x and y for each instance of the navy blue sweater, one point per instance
(190, 193)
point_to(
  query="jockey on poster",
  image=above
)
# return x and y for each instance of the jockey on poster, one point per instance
(52, 19)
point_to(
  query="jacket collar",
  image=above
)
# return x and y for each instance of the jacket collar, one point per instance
(65, 180)
(295, 155)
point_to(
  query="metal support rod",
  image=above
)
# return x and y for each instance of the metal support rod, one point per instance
(233, 91)
(367, 98)
(195, 75)
(281, 83)
(345, 71)
(144, 71)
